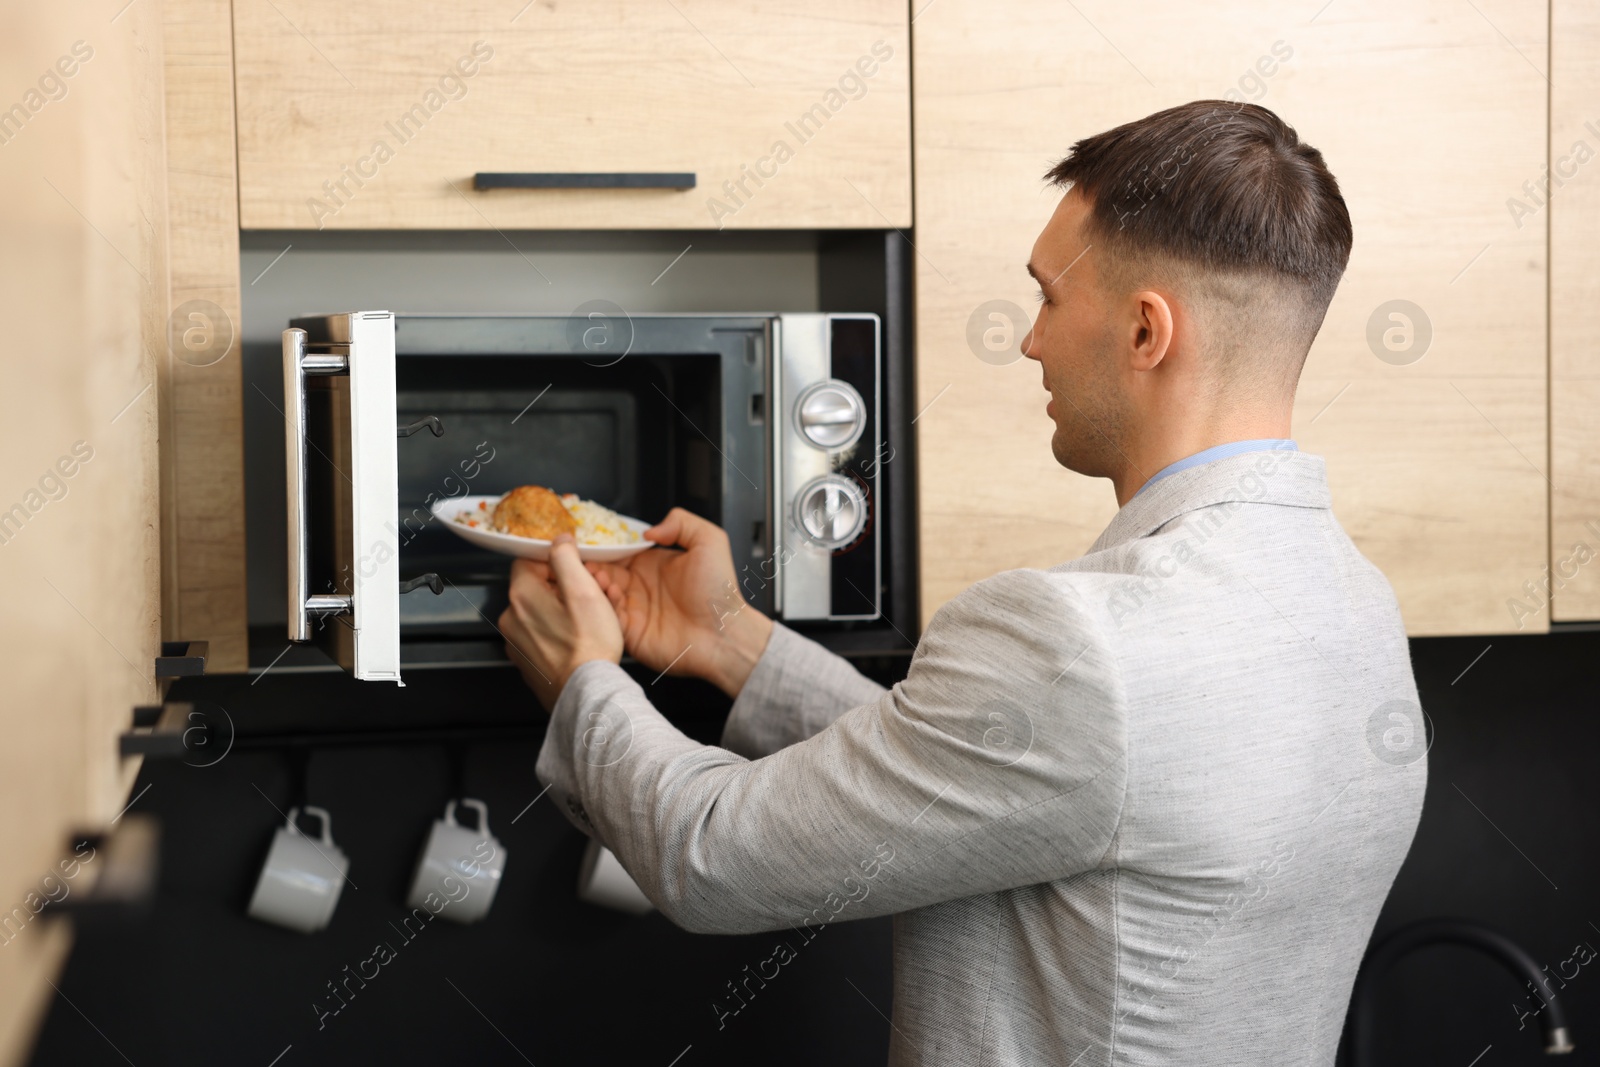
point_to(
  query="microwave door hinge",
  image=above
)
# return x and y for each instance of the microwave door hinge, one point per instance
(326, 604)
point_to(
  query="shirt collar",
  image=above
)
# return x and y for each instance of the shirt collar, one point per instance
(1282, 476)
(1222, 451)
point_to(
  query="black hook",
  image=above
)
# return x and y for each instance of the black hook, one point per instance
(299, 773)
(457, 754)
(431, 580)
(430, 423)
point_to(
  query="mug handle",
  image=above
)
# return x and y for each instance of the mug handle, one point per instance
(322, 813)
(476, 805)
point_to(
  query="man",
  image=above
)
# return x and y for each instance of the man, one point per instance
(1129, 809)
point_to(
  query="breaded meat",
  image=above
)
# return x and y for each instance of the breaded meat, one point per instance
(533, 511)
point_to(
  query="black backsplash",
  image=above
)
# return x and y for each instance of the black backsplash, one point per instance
(1508, 837)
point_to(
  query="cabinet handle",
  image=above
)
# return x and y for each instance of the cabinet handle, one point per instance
(181, 659)
(297, 363)
(547, 180)
(158, 731)
(129, 858)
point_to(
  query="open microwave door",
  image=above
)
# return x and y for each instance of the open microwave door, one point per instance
(342, 490)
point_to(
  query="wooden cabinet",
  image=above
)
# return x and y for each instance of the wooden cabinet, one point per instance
(1574, 217)
(202, 545)
(83, 293)
(378, 115)
(1431, 115)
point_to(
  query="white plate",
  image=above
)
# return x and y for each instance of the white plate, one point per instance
(526, 547)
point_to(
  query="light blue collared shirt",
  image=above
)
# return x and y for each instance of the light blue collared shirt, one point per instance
(1232, 448)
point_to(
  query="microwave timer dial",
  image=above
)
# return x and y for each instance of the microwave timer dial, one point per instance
(831, 415)
(831, 511)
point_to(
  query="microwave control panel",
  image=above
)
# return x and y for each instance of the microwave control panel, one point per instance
(827, 446)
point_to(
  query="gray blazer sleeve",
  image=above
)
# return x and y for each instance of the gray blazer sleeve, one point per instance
(797, 688)
(998, 762)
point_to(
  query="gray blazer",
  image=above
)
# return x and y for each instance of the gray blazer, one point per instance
(1139, 808)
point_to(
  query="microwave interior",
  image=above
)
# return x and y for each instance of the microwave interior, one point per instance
(678, 420)
(556, 422)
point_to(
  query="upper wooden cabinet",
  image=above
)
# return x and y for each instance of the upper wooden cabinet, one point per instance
(368, 115)
(1431, 115)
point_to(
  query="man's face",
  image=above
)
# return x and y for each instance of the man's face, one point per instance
(1074, 340)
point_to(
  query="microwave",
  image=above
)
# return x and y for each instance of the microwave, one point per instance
(770, 425)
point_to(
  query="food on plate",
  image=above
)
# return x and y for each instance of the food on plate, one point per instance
(531, 511)
(599, 525)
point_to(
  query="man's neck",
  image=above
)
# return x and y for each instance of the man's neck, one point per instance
(1153, 452)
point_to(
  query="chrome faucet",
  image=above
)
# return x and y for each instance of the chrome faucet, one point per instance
(1359, 1029)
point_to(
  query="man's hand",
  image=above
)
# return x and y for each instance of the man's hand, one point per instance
(558, 620)
(682, 612)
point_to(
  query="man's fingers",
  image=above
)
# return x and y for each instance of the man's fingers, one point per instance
(571, 576)
(514, 633)
(530, 585)
(607, 580)
(685, 528)
(609, 576)
(664, 532)
(670, 530)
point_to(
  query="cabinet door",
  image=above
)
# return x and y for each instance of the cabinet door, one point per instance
(83, 297)
(203, 547)
(378, 115)
(1430, 114)
(1574, 212)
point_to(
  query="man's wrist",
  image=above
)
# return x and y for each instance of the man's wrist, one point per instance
(581, 658)
(743, 639)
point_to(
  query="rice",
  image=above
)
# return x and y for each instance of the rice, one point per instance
(479, 518)
(597, 525)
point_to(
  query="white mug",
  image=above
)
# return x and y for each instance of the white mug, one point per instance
(301, 881)
(604, 881)
(461, 866)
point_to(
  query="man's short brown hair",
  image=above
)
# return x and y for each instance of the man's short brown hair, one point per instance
(1215, 187)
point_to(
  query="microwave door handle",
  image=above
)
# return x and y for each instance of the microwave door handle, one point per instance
(294, 464)
(296, 364)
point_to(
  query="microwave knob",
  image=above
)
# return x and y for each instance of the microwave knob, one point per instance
(831, 414)
(831, 511)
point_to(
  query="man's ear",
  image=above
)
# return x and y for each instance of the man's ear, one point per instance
(1152, 329)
